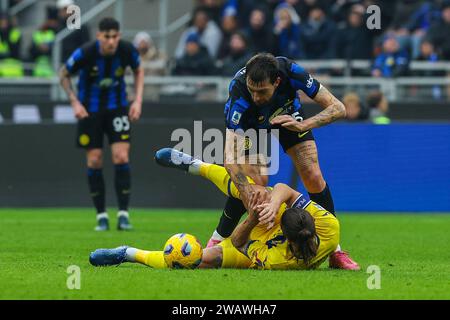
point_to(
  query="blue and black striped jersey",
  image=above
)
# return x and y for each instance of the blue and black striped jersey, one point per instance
(101, 83)
(240, 111)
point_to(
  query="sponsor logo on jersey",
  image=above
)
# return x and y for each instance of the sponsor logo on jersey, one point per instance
(276, 113)
(106, 83)
(282, 110)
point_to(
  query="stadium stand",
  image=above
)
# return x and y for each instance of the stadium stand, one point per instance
(329, 38)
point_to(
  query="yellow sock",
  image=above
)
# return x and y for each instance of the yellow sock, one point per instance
(154, 259)
(220, 177)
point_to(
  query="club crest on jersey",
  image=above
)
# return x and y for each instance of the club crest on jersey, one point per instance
(248, 143)
(119, 72)
(236, 117)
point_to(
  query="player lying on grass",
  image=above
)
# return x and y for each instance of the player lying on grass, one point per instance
(288, 232)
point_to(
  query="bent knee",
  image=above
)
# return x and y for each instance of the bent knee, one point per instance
(313, 180)
(95, 159)
(212, 257)
(120, 157)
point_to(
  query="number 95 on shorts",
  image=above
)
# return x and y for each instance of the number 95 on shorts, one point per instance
(114, 124)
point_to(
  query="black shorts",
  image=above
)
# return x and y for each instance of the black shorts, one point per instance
(287, 139)
(114, 123)
(290, 138)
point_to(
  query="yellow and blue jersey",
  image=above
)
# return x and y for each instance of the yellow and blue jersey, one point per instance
(268, 249)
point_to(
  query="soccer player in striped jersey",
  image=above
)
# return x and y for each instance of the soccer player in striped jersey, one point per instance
(102, 108)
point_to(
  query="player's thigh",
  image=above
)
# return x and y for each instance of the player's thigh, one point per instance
(304, 155)
(90, 132)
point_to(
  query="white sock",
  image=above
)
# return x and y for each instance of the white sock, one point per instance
(102, 215)
(194, 167)
(123, 214)
(130, 255)
(216, 236)
(338, 248)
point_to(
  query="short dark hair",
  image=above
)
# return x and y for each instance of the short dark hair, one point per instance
(298, 226)
(262, 67)
(107, 24)
(202, 10)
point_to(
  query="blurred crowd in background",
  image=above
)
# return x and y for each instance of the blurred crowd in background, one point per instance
(224, 34)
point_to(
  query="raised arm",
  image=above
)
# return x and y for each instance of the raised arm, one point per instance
(334, 110)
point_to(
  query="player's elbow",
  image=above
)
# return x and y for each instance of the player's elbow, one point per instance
(237, 243)
(63, 74)
(341, 111)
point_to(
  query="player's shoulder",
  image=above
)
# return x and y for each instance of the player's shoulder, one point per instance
(82, 55)
(240, 76)
(89, 48)
(289, 67)
(126, 46)
(238, 85)
(316, 210)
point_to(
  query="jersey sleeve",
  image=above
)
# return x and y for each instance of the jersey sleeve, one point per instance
(235, 107)
(76, 61)
(300, 79)
(257, 252)
(134, 60)
(302, 201)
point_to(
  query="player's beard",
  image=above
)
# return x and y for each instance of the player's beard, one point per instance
(267, 103)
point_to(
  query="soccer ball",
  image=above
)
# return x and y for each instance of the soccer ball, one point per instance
(183, 251)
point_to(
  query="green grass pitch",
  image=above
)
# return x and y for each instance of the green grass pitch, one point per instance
(37, 247)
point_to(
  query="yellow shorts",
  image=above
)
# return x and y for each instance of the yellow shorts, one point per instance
(232, 257)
